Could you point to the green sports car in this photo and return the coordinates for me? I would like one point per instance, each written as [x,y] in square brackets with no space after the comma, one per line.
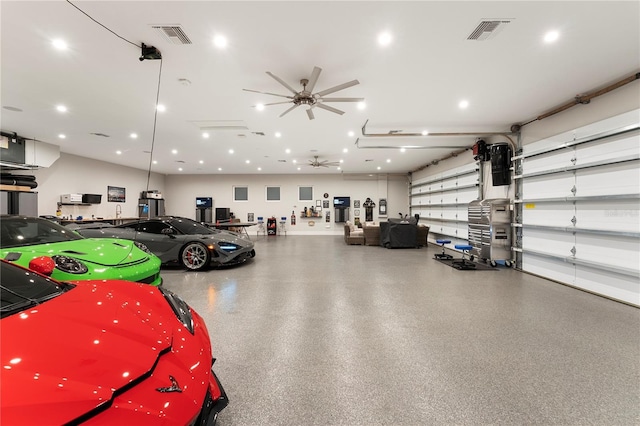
[77,258]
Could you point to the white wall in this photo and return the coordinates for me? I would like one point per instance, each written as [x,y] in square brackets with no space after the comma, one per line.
[73,174]
[182,190]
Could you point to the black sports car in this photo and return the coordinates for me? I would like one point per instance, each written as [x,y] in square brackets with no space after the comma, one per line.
[178,239]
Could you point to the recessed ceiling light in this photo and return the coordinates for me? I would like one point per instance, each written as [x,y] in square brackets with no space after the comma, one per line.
[403,149]
[201,162]
[288,151]
[341,161]
[338,168]
[388,160]
[119,152]
[59,44]
[220,41]
[155,161]
[295,161]
[425,132]
[463,104]
[299,168]
[174,151]
[351,134]
[345,150]
[62,136]
[161,108]
[259,168]
[219,169]
[179,169]
[205,135]
[231,151]
[260,107]
[361,105]
[551,36]
[61,108]
[384,39]
[379,167]
[133,136]
[278,134]
[247,161]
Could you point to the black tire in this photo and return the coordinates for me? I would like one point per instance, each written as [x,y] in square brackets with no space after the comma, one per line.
[252,254]
[195,256]
[508,263]
[493,263]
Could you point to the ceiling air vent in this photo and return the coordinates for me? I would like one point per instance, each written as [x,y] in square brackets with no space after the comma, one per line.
[488,28]
[172,33]
[102,135]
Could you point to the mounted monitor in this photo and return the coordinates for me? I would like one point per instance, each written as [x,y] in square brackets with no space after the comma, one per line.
[204,202]
[341,202]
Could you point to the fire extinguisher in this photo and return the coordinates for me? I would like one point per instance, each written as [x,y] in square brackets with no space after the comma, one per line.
[293,217]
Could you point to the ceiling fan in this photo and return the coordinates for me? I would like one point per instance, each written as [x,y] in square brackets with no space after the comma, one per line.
[316,164]
[306,95]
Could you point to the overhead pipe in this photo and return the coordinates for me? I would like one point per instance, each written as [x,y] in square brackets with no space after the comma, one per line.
[579,100]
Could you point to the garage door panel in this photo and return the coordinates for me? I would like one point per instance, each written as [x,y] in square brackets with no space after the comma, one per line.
[548,242]
[620,287]
[549,268]
[615,215]
[548,214]
[550,161]
[549,186]
[610,250]
[624,145]
[609,180]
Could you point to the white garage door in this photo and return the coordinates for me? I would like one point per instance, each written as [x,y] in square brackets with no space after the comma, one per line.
[580,208]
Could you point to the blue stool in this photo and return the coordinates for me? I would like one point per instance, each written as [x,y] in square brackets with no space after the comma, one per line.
[443,255]
[463,263]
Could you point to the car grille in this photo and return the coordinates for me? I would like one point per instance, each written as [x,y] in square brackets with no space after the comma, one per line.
[150,279]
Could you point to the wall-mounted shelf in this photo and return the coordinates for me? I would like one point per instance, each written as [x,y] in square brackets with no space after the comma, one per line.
[74,204]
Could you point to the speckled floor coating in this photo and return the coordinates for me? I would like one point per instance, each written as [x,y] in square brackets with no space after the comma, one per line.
[315,332]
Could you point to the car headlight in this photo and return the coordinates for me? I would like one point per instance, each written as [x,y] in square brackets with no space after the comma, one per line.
[228,247]
[142,247]
[180,308]
[69,265]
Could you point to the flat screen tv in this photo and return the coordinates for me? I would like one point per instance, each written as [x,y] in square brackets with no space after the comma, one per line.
[204,202]
[341,201]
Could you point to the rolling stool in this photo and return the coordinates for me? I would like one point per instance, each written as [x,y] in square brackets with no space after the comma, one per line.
[283,227]
[261,226]
[443,255]
[463,263]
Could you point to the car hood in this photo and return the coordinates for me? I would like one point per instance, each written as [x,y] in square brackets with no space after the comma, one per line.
[70,354]
[98,251]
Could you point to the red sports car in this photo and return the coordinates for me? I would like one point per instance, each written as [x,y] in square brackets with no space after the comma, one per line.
[101,352]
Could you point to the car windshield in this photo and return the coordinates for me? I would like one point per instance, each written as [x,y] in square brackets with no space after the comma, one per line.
[21,289]
[188,226]
[23,231]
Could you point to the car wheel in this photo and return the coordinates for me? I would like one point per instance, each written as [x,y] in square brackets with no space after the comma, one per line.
[195,256]
[252,254]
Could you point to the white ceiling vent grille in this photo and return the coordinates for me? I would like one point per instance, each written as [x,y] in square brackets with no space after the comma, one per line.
[172,33]
[488,28]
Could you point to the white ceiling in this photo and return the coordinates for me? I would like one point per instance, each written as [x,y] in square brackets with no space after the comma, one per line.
[413,84]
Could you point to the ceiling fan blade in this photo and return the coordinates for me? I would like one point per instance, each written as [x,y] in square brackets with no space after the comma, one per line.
[310,114]
[337,88]
[276,103]
[341,99]
[290,109]
[267,93]
[314,78]
[281,81]
[328,108]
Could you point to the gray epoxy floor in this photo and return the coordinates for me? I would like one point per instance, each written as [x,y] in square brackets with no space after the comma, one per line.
[313,331]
